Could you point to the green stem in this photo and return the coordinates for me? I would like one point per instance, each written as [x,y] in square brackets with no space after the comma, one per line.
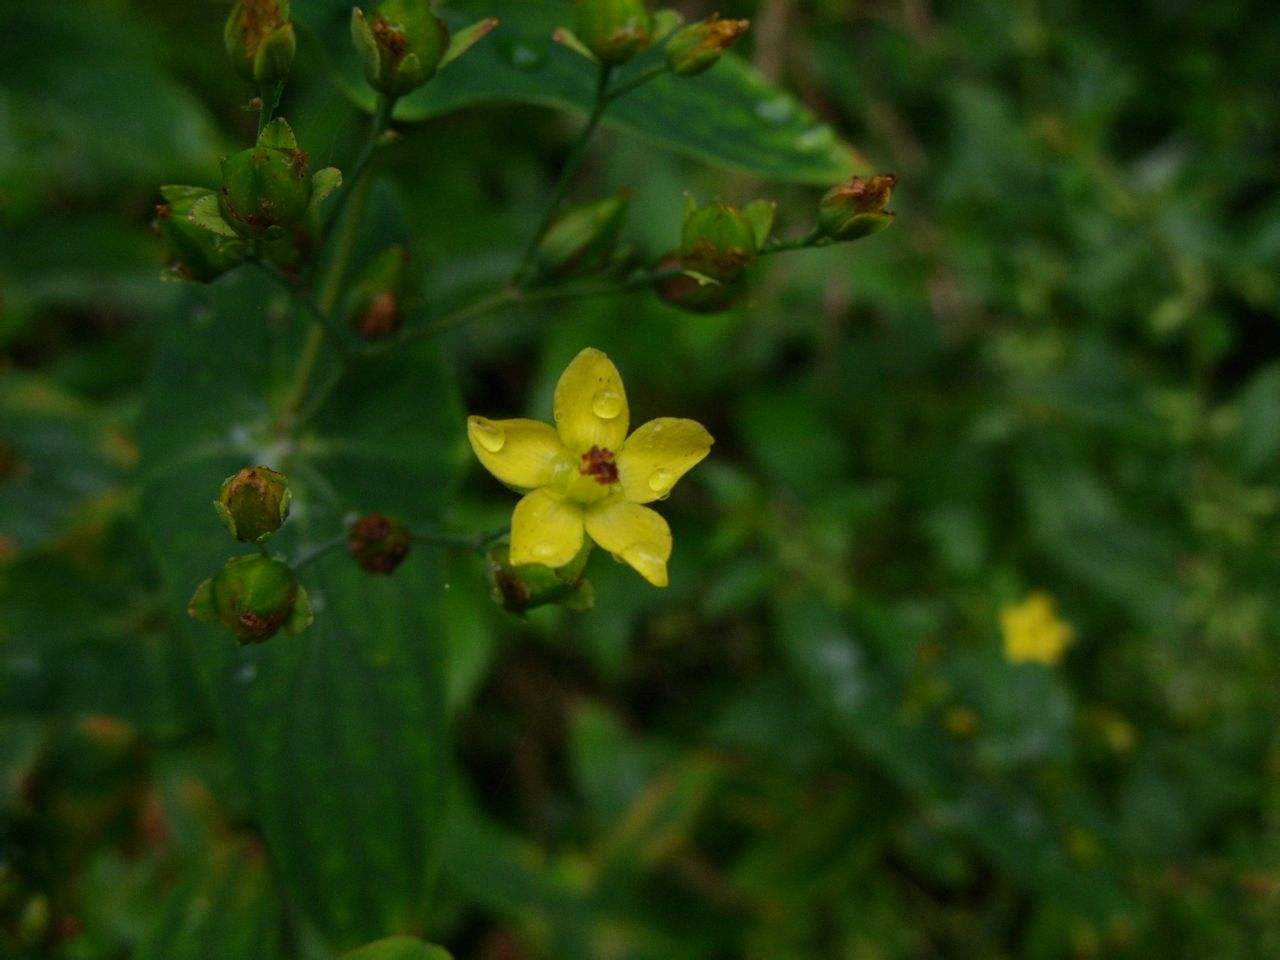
[269,102]
[812,239]
[577,153]
[344,245]
[381,123]
[511,295]
[318,551]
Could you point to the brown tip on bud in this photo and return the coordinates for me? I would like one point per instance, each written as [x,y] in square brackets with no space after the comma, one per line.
[869,195]
[163,211]
[381,318]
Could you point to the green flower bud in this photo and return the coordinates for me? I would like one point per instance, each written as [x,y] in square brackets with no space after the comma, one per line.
[717,240]
[201,246]
[375,304]
[696,48]
[696,292]
[531,585]
[260,40]
[401,44]
[856,209]
[583,239]
[266,186]
[255,597]
[379,544]
[254,503]
[614,30]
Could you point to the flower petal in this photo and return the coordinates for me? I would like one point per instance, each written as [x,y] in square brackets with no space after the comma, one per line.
[520,453]
[634,533]
[591,404]
[545,529]
[658,454]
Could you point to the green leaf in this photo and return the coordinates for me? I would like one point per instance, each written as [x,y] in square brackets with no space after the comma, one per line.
[338,733]
[731,116]
[55,455]
[399,948]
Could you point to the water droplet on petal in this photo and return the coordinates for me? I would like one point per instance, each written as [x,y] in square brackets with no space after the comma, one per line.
[606,404]
[491,436]
[544,550]
[660,480]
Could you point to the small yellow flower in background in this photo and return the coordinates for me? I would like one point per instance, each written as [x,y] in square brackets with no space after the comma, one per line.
[585,476]
[1033,632]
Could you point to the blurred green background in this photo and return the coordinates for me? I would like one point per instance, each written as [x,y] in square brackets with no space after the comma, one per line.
[1056,372]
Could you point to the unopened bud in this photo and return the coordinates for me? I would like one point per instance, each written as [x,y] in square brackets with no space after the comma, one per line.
[856,209]
[260,40]
[201,246]
[717,240]
[266,186]
[255,597]
[695,292]
[254,503]
[696,48]
[378,543]
[531,585]
[401,44]
[375,305]
[582,240]
[614,30]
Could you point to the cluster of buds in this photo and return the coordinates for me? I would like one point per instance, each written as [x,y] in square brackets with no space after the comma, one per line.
[254,596]
[268,205]
[268,202]
[613,32]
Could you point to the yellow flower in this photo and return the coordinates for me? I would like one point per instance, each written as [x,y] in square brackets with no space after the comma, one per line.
[1033,633]
[585,476]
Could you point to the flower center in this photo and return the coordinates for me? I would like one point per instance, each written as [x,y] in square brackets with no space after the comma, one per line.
[598,462]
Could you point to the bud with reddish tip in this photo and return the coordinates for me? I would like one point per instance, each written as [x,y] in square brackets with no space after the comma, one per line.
[260,40]
[375,305]
[613,30]
[254,503]
[378,543]
[255,597]
[697,47]
[531,585]
[401,44]
[856,209]
[266,186]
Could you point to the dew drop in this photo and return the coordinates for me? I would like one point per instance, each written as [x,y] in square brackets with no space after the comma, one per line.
[491,436]
[816,138]
[606,404]
[660,480]
[544,550]
[776,110]
[522,56]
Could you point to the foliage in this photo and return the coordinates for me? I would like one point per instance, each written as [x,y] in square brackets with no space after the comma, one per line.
[1054,376]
